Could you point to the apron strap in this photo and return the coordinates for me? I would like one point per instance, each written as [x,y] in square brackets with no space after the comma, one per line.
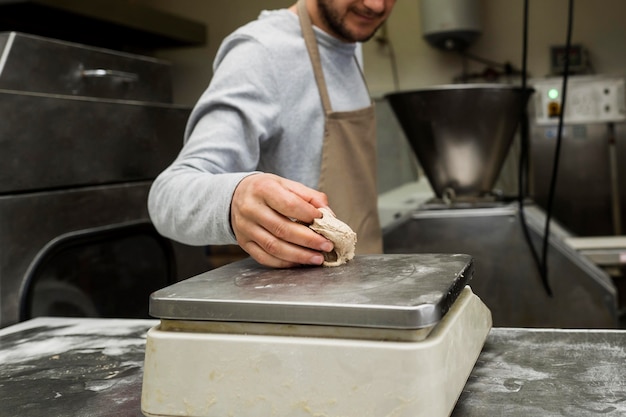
[348,154]
[311,46]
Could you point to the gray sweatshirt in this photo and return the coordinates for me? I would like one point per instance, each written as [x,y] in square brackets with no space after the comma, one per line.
[261,113]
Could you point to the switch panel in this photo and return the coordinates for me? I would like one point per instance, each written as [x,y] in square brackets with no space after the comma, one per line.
[590,99]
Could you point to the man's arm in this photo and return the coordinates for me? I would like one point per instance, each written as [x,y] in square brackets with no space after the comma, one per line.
[209,187]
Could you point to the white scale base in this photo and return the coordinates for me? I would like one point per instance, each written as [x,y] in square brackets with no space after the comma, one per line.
[193,373]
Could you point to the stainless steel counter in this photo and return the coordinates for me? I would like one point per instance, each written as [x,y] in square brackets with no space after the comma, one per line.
[523,372]
[93,367]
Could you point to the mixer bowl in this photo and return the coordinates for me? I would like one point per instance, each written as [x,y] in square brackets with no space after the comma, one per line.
[461,134]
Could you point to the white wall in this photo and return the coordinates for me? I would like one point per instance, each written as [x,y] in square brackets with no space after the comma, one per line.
[600,25]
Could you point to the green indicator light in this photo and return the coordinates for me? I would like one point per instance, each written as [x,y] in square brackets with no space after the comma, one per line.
[553,93]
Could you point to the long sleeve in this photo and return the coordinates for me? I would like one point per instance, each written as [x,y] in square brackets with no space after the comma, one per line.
[190,200]
[261,113]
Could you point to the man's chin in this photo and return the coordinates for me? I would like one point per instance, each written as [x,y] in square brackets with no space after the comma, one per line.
[355,33]
[363,33]
[366,38]
[362,36]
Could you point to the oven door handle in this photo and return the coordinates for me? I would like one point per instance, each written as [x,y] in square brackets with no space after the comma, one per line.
[107,73]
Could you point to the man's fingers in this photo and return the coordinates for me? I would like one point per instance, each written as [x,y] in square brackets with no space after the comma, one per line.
[262,213]
[269,250]
[316,198]
[296,201]
[264,258]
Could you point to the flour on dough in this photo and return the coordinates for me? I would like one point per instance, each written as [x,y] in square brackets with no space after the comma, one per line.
[342,236]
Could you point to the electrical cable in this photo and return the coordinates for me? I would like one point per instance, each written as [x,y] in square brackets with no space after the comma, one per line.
[384,41]
[482,60]
[523,168]
[494,69]
[559,140]
[505,66]
[394,66]
[524,152]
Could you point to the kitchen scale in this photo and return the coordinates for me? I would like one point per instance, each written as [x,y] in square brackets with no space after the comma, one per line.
[383,335]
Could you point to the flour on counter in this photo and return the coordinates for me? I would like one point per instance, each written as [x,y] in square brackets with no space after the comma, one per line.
[47,337]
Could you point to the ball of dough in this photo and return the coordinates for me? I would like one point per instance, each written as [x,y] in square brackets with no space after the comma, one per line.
[342,236]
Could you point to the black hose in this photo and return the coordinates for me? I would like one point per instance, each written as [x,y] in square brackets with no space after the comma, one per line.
[524,158]
[559,140]
[542,262]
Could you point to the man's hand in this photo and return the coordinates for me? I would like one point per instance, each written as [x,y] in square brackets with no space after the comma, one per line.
[262,213]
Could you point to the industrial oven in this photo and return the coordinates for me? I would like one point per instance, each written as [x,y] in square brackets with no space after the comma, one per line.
[83,133]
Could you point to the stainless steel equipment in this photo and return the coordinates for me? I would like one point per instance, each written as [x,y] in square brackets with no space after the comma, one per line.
[507,276]
[461,135]
[379,292]
[114,24]
[450,24]
[84,131]
[520,372]
[381,335]
[590,199]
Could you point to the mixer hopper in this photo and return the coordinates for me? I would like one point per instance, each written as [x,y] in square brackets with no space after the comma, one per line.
[461,134]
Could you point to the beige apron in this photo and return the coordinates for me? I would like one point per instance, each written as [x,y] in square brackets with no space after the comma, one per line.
[348,170]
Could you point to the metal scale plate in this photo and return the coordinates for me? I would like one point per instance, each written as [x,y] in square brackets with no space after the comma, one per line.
[374,291]
[382,335]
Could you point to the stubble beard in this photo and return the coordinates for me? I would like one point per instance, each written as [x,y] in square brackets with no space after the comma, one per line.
[336,23]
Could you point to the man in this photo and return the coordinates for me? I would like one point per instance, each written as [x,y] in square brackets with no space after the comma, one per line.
[285,127]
